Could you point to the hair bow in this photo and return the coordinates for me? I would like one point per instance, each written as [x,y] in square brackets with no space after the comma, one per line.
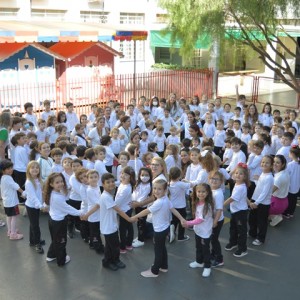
[203,153]
[244,166]
[295,146]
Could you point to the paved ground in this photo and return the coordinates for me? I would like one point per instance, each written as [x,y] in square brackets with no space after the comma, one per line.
[268,272]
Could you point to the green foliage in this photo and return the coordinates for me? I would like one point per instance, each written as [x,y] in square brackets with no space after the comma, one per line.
[173,67]
[253,23]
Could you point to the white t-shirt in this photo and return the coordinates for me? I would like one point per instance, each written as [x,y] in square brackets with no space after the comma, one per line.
[209,130]
[285,151]
[177,190]
[124,197]
[203,229]
[218,197]
[263,190]
[109,156]
[34,197]
[254,166]
[160,141]
[282,181]
[237,157]
[21,159]
[293,169]
[108,216]
[219,138]
[160,210]
[93,197]
[170,162]
[75,188]
[239,195]
[72,120]
[9,191]
[95,137]
[41,135]
[46,114]
[141,192]
[100,168]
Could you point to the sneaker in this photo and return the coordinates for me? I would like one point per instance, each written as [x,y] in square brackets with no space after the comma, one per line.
[77,230]
[185,238]
[137,244]
[110,266]
[215,263]
[136,239]
[42,243]
[16,236]
[230,247]
[100,250]
[163,270]
[276,220]
[120,265]
[286,216]
[172,234]
[206,272]
[2,223]
[39,249]
[68,259]
[240,253]
[49,259]
[257,242]
[194,265]
[148,273]
[123,251]
[129,248]
[70,235]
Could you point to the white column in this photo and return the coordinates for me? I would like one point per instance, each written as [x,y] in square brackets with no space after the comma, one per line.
[214,63]
[272,53]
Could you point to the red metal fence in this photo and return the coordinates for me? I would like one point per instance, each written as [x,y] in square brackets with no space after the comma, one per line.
[85,91]
[259,90]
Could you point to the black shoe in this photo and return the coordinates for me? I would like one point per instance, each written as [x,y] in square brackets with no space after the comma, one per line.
[42,242]
[110,266]
[86,240]
[120,265]
[39,249]
[230,247]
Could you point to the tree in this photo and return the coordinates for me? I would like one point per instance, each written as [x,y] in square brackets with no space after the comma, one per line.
[253,23]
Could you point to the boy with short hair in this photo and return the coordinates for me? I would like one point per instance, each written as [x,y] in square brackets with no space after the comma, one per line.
[92,117]
[47,112]
[160,140]
[72,118]
[71,150]
[29,115]
[41,133]
[109,155]
[246,137]
[56,154]
[90,157]
[99,166]
[237,128]
[238,155]
[286,141]
[109,223]
[173,138]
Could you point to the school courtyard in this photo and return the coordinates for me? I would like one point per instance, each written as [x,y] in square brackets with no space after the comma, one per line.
[270,271]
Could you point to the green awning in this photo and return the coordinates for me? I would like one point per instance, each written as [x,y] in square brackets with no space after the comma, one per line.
[159,39]
[292,34]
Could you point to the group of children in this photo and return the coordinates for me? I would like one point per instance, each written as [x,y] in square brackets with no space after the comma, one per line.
[86,170]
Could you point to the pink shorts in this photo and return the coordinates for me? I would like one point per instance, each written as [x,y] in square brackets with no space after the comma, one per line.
[278,205]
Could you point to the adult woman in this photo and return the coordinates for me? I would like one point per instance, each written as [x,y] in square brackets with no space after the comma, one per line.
[191,121]
[279,200]
[185,160]
[251,114]
[125,130]
[194,131]
[96,133]
[5,121]
[173,106]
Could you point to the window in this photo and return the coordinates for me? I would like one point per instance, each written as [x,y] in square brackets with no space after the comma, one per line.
[8,12]
[52,14]
[161,18]
[197,58]
[132,18]
[94,16]
[127,48]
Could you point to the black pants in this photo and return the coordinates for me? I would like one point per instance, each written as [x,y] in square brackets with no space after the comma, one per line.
[112,248]
[85,230]
[20,179]
[292,204]
[141,224]
[202,251]
[109,169]
[219,151]
[238,229]
[231,183]
[57,249]
[95,236]
[258,222]
[160,251]
[126,231]
[73,221]
[216,252]
[176,222]
[34,227]
[251,189]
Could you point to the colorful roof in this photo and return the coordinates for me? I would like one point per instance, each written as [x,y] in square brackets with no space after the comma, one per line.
[70,50]
[9,49]
[47,31]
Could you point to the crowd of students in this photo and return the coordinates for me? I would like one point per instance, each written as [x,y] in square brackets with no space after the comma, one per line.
[167,160]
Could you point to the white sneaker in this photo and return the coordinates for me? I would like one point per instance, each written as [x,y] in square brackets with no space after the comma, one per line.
[257,242]
[172,233]
[137,243]
[276,220]
[206,272]
[194,265]
[136,239]
[49,259]
[68,259]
